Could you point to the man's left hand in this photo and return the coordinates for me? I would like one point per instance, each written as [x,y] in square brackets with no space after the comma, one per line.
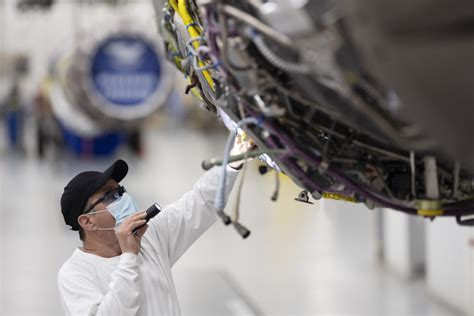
[241,145]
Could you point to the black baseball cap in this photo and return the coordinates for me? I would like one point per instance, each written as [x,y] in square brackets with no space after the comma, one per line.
[83,186]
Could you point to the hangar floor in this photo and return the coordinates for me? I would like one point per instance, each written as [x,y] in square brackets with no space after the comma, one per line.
[300,259]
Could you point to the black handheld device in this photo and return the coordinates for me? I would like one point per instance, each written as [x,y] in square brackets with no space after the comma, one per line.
[151,212]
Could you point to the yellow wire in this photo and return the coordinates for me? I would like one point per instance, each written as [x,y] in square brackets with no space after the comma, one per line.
[174,5]
[196,93]
[193,32]
[338,196]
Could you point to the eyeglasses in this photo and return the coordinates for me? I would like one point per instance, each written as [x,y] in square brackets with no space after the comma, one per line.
[108,197]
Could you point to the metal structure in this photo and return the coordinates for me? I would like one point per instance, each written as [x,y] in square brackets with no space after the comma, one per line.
[294,76]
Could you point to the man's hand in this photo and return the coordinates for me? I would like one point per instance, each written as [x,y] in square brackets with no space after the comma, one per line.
[128,241]
[241,145]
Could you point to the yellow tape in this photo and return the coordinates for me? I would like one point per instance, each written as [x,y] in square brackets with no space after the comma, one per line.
[338,196]
[173,5]
[429,208]
[430,213]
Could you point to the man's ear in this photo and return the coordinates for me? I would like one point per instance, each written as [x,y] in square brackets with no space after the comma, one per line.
[86,222]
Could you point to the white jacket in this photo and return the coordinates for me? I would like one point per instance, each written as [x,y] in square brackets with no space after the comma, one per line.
[143,284]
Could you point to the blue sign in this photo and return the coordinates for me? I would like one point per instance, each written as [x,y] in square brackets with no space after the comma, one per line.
[125,70]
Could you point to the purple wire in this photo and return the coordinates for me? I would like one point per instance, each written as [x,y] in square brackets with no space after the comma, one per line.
[335,174]
[459,208]
[376,198]
[295,151]
[305,180]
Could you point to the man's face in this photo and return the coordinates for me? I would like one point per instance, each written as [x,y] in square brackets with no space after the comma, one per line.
[102,219]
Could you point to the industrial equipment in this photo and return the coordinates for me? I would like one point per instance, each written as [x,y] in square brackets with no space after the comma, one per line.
[293,76]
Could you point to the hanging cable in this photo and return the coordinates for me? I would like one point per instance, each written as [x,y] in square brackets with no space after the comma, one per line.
[236,212]
[243,231]
[219,202]
[276,60]
[277,186]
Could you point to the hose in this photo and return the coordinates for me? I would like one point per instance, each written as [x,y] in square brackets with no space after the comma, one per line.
[239,193]
[219,202]
[276,60]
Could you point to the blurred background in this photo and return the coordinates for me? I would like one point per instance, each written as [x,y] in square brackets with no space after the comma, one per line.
[83,83]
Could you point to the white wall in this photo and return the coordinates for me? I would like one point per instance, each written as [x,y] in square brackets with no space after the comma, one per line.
[446,248]
[396,250]
[352,226]
[450,263]
[404,245]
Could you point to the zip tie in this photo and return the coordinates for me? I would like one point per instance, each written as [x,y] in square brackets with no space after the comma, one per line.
[193,24]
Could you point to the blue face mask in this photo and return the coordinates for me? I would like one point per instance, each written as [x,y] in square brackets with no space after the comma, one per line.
[122,208]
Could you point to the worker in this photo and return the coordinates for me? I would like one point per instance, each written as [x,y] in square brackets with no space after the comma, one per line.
[117,272]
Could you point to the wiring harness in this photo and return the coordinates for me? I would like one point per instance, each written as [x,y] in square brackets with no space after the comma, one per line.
[310,107]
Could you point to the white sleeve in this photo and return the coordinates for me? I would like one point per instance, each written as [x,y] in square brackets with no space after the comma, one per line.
[182,222]
[81,296]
